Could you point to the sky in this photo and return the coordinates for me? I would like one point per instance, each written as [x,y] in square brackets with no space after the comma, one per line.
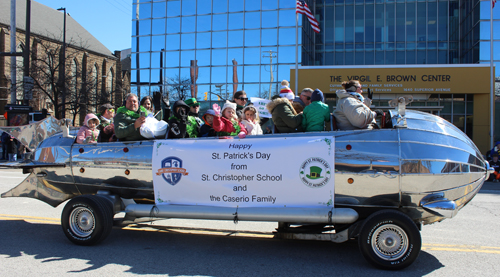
[109,21]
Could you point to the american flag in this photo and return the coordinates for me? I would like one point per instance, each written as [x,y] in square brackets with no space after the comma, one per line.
[304,9]
[493,3]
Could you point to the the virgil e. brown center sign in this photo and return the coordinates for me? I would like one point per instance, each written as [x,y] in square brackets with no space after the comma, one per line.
[447,79]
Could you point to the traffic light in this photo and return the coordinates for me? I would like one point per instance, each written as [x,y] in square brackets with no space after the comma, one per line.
[206,96]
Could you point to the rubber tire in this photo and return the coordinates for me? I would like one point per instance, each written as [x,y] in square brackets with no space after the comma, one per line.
[391,220]
[97,209]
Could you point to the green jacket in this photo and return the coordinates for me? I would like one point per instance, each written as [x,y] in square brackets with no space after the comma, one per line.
[124,125]
[284,116]
[314,117]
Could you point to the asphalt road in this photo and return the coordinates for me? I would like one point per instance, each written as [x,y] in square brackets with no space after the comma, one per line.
[32,243]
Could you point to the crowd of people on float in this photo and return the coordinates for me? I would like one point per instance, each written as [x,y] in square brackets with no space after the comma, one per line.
[306,112]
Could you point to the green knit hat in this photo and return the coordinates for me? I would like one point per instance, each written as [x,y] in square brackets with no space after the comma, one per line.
[191,102]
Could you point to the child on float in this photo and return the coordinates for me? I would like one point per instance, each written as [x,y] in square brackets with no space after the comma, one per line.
[228,124]
[88,133]
[207,129]
[315,114]
[250,119]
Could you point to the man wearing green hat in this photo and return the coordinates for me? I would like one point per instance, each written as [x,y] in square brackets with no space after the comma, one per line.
[194,109]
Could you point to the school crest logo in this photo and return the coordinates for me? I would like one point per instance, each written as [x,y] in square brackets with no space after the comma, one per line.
[171,170]
[315,172]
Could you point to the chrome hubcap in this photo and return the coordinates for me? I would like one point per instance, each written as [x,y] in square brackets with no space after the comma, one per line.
[389,242]
[81,222]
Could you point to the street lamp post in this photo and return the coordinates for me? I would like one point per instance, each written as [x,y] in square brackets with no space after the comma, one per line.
[62,68]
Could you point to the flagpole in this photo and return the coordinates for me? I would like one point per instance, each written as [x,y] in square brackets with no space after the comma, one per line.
[492,81]
[296,53]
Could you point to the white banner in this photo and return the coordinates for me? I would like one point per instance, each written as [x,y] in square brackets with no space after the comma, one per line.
[260,105]
[251,172]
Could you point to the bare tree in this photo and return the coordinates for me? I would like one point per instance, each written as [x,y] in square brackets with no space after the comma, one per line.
[178,88]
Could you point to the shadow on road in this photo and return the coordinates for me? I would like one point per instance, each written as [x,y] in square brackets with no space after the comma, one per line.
[150,252]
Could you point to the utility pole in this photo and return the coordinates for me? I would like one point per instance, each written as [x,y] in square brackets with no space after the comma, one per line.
[272,54]
[13,49]
[28,82]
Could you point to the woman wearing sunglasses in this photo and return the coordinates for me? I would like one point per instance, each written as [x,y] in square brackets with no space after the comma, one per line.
[106,126]
[241,100]
[353,110]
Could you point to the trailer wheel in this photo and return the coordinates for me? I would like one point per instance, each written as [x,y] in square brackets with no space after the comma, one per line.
[390,240]
[87,220]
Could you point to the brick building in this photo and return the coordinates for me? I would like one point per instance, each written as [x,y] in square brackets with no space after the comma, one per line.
[93,73]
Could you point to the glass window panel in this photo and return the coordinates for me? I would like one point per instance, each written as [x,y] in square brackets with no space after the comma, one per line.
[432,21]
[187,41]
[134,44]
[380,29]
[369,24]
[219,57]
[270,36]
[329,25]
[235,54]
[203,57]
[390,57]
[432,57]
[159,9]
[204,23]
[379,57]
[252,89]
[220,6]
[236,6]
[287,18]
[284,72]
[219,22]
[370,58]
[252,20]
[173,25]
[144,44]
[421,22]
[253,5]
[252,55]
[359,58]
[204,6]
[219,74]
[173,8]
[400,57]
[349,24]
[158,43]
[173,42]
[219,39]
[287,4]
[339,24]
[172,59]
[203,40]
[421,57]
[188,7]
[235,38]
[203,75]
[144,10]
[188,24]
[269,19]
[410,22]
[265,88]
[185,73]
[390,22]
[349,58]
[287,36]
[339,58]
[144,27]
[144,60]
[442,21]
[251,74]
[410,57]
[359,26]
[252,37]
[155,78]
[158,26]
[170,74]
[269,5]
[186,57]
[235,20]
[286,54]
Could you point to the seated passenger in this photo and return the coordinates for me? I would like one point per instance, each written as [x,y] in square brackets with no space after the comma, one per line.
[250,119]
[207,130]
[228,124]
[106,127]
[129,119]
[316,114]
[180,124]
[353,110]
[88,133]
[194,109]
[284,116]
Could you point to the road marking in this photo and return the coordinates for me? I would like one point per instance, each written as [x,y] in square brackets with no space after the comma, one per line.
[233,233]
